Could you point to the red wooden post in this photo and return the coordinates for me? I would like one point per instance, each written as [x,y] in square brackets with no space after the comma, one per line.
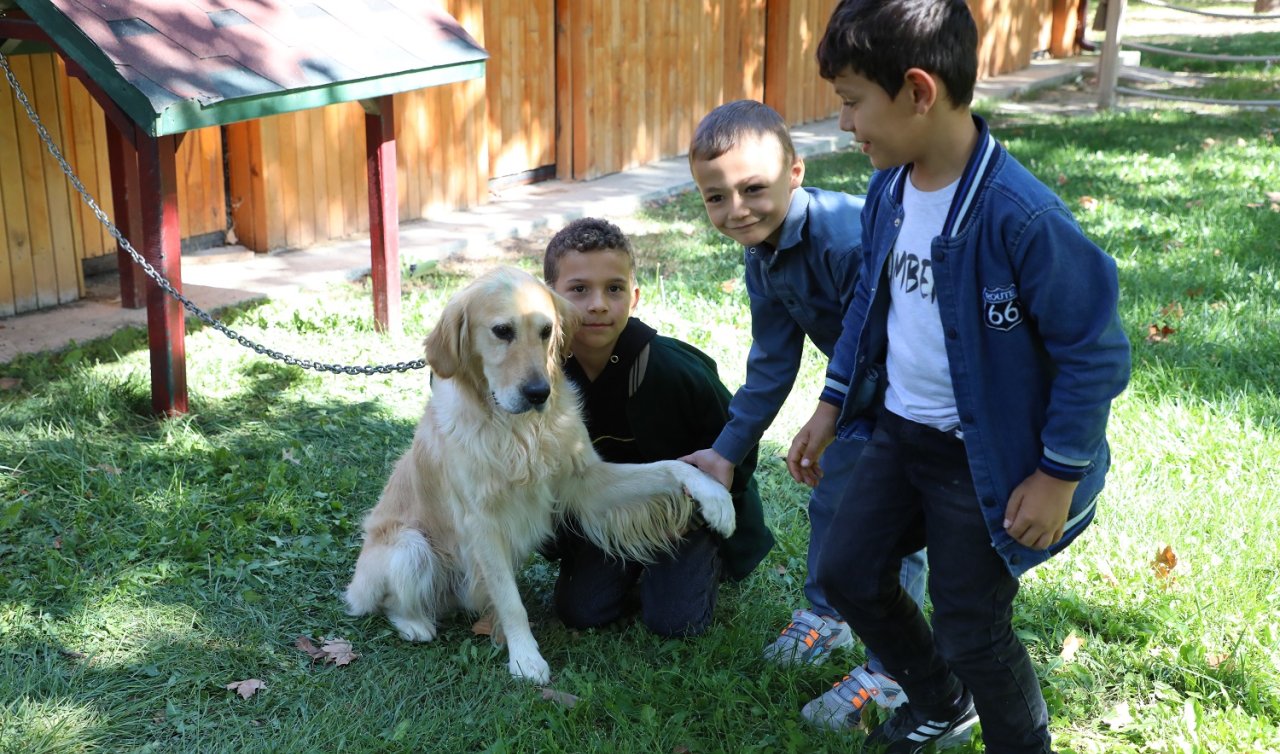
[161,247]
[384,209]
[127,214]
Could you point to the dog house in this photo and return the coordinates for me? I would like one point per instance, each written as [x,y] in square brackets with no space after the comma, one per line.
[161,70]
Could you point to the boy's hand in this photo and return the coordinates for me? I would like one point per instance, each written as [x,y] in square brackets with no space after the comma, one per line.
[714,464]
[810,441]
[1037,510]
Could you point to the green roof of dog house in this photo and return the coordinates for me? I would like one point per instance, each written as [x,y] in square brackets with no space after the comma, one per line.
[178,65]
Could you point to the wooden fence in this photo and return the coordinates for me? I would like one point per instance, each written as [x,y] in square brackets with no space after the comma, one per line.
[574,88]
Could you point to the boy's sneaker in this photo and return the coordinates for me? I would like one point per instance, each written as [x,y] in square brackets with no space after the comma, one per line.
[908,732]
[808,639]
[840,708]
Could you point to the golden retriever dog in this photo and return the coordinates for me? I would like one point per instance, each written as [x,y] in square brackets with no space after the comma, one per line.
[500,457]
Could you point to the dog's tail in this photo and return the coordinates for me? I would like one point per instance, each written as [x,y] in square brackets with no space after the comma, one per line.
[396,579]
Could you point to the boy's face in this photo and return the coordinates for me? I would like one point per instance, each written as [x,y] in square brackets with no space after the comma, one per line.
[600,284]
[747,190]
[883,127]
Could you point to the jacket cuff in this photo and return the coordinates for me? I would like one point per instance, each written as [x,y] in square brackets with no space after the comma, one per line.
[1067,472]
[731,449]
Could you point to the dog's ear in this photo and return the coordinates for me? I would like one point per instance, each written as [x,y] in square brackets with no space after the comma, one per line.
[445,342]
[568,320]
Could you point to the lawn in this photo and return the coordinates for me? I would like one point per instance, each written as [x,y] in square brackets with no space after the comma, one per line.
[146,564]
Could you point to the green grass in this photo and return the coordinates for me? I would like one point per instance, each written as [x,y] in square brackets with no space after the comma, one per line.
[1219,80]
[145,564]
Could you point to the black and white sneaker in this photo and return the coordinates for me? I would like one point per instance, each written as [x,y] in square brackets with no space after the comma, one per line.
[908,732]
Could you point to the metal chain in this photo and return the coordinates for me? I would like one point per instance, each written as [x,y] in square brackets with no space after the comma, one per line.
[164,284]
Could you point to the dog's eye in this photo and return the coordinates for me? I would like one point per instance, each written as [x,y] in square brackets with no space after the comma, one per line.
[546,332]
[504,332]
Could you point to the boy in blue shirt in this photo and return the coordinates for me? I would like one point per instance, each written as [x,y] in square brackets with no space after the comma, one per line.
[645,397]
[995,320]
[800,248]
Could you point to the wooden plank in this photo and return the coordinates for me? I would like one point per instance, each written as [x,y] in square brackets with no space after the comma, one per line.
[68,146]
[384,227]
[318,141]
[265,140]
[17,287]
[157,162]
[126,211]
[215,215]
[352,175]
[42,275]
[306,178]
[63,258]
[186,187]
[287,180]
[565,84]
[402,154]
[333,173]
[240,185]
[107,242]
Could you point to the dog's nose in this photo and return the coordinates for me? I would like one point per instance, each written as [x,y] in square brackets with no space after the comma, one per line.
[536,392]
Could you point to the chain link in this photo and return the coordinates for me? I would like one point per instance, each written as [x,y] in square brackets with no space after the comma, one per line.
[164,284]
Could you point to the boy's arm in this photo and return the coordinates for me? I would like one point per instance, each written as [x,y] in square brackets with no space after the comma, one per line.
[819,431]
[772,365]
[1071,291]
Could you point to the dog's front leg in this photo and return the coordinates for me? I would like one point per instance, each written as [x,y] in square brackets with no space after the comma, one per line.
[524,659]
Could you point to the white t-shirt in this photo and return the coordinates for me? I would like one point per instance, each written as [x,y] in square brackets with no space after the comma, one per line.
[919,377]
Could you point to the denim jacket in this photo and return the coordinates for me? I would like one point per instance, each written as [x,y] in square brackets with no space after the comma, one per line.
[1033,338]
[802,287]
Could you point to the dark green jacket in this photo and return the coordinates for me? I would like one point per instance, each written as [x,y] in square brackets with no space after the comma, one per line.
[679,406]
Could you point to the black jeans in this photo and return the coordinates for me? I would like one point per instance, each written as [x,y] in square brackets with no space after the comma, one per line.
[912,489]
[676,593]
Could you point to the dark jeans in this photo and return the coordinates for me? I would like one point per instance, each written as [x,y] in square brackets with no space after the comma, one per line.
[677,593]
[913,489]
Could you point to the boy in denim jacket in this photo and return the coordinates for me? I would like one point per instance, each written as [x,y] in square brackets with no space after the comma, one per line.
[996,322]
[800,248]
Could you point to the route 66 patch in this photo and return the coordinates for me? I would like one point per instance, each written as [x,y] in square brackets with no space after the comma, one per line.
[1002,309]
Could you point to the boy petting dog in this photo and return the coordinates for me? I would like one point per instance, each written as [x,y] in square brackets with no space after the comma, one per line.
[645,397]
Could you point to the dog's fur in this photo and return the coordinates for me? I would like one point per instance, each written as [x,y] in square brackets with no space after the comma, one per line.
[500,457]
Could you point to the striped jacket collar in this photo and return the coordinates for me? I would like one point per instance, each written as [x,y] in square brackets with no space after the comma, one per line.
[980,167]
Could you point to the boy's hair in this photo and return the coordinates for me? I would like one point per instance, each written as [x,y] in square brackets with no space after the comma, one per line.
[584,234]
[881,39]
[726,126]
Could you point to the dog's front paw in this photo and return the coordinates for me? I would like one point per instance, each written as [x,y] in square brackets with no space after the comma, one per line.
[714,502]
[530,666]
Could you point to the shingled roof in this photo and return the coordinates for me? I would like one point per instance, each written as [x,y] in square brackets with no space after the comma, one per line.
[177,65]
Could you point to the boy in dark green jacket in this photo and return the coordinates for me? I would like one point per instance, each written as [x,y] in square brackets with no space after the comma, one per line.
[646,398]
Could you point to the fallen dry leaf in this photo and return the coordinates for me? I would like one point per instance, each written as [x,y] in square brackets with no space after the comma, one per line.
[1062,179]
[1069,647]
[1208,143]
[780,569]
[1158,333]
[246,688]
[483,626]
[1166,560]
[339,652]
[10,383]
[487,626]
[1220,658]
[304,643]
[729,286]
[108,469]
[57,543]
[1196,292]
[1172,310]
[1088,203]
[563,698]
[1273,196]
[335,650]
